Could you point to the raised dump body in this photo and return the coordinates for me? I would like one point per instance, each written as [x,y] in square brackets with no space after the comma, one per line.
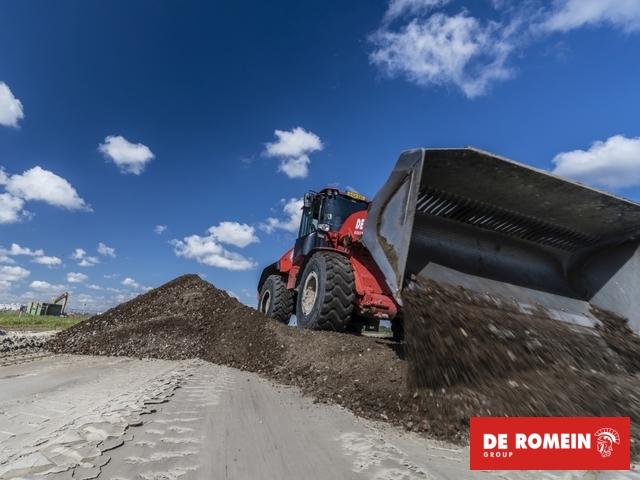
[509,231]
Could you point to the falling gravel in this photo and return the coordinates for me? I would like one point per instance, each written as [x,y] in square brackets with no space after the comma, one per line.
[493,360]
[464,357]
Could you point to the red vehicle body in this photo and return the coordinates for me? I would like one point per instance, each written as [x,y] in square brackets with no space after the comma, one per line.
[328,279]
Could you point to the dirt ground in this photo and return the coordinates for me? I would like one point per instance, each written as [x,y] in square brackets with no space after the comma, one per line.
[463,357]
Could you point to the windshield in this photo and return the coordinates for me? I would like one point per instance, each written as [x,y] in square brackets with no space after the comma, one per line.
[338,209]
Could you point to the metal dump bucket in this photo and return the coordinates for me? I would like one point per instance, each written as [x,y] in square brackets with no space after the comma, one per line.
[515,233]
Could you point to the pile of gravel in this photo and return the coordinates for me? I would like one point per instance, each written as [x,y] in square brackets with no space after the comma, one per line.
[12,341]
[185,318]
[462,358]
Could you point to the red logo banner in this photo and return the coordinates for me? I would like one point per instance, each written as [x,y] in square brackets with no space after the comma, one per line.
[550,443]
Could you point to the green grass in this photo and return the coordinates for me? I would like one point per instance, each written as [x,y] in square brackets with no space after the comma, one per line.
[381,333]
[13,321]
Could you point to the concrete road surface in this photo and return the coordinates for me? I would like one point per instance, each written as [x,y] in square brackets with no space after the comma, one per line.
[77,417]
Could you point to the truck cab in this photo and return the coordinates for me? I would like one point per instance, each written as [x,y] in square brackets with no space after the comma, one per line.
[323,212]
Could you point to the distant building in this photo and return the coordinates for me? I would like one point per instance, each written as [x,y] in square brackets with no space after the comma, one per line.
[10,307]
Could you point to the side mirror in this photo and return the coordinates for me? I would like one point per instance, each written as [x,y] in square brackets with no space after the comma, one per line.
[324,227]
[308,199]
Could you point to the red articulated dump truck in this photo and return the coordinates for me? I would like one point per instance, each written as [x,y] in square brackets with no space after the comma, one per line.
[464,217]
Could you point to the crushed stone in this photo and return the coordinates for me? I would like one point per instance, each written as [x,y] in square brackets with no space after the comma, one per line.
[464,357]
[23,341]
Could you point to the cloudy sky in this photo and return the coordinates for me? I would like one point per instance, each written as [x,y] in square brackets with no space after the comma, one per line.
[143,140]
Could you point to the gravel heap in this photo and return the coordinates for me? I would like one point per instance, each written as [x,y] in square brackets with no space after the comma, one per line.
[185,318]
[12,341]
[468,359]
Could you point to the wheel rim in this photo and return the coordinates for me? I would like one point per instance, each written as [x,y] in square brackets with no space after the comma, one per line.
[309,293]
[265,303]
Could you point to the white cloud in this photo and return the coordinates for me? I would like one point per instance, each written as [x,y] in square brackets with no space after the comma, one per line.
[78,253]
[10,107]
[160,228]
[571,14]
[48,261]
[123,298]
[106,251]
[130,282]
[39,184]
[47,287]
[295,167]
[129,157]
[113,275]
[614,163]
[76,277]
[208,251]
[18,250]
[88,262]
[444,50]
[291,222]
[294,143]
[293,149]
[436,48]
[234,233]
[94,287]
[38,255]
[10,208]
[398,8]
[35,184]
[13,274]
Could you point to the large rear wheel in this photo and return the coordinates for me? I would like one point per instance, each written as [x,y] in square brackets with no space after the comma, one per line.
[326,293]
[275,300]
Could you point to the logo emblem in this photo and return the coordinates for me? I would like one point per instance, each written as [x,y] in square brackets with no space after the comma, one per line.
[606,437]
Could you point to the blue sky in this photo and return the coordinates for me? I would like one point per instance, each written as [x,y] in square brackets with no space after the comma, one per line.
[142,140]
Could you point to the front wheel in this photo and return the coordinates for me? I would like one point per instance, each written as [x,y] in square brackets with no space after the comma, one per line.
[326,293]
[275,300]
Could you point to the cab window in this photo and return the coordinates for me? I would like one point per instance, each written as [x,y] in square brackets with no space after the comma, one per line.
[310,218]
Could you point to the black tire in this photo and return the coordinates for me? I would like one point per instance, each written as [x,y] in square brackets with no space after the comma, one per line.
[326,293]
[397,328]
[275,300]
